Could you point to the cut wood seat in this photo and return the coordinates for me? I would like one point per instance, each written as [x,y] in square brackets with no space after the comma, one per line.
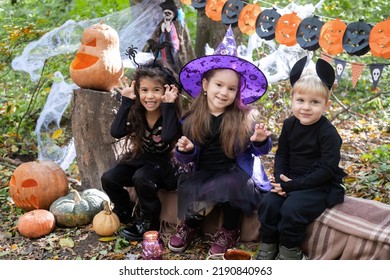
[356,229]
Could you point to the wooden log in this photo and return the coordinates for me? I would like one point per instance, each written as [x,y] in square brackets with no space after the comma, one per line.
[96,150]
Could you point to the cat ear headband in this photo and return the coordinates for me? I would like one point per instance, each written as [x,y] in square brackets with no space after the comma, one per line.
[324,71]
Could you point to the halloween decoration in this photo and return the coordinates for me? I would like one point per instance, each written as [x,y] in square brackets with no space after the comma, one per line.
[376,72]
[230,12]
[187,2]
[356,38]
[106,222]
[331,36]
[286,29]
[98,64]
[77,209]
[379,40]
[253,81]
[198,4]
[308,33]
[170,40]
[36,184]
[214,9]
[324,71]
[266,24]
[36,223]
[247,18]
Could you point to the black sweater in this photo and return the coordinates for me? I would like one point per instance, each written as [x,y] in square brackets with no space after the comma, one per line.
[309,155]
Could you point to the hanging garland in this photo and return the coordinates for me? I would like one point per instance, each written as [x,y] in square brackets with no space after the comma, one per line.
[356,38]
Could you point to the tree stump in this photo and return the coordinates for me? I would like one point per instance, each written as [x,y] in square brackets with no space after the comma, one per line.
[96,150]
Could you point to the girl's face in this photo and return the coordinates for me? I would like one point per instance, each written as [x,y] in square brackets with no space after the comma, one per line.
[309,107]
[150,93]
[221,90]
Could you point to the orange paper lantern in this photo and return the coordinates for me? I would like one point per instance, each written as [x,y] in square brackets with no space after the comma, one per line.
[214,9]
[331,36]
[286,29]
[380,39]
[247,18]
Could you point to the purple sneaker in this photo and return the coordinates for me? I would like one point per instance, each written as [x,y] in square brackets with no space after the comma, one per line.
[224,239]
[182,238]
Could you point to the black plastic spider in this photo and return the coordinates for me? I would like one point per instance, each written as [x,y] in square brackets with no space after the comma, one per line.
[131,52]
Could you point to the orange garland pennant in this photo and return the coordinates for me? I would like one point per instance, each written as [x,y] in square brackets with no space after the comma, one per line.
[379,40]
[286,29]
[214,8]
[357,70]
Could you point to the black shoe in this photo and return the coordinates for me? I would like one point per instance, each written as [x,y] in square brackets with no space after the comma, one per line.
[136,231]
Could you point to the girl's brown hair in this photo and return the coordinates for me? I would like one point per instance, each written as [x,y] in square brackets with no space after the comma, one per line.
[236,126]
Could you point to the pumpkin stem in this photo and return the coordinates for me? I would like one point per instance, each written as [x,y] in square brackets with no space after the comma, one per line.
[76,196]
[107,207]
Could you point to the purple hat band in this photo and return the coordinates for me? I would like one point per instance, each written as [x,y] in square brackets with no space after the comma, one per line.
[253,81]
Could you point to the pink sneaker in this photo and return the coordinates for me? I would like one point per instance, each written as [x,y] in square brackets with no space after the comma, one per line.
[182,238]
[223,240]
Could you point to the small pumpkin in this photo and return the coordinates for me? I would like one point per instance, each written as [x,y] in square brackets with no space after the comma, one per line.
[78,209]
[106,222]
[98,64]
[36,223]
[36,184]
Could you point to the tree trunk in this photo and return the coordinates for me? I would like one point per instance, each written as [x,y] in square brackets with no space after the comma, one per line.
[211,32]
[96,150]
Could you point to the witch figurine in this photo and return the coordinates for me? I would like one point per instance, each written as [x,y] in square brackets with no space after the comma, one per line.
[174,31]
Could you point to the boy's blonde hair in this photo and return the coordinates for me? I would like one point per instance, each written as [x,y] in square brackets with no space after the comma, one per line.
[311,83]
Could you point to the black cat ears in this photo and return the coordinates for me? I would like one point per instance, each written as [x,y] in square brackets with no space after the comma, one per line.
[324,71]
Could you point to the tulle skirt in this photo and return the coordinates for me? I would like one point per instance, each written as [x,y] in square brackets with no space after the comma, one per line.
[201,190]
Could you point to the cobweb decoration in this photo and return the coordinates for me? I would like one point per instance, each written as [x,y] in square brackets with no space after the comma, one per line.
[134,26]
[48,124]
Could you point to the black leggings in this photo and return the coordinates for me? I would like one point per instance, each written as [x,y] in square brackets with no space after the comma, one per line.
[146,179]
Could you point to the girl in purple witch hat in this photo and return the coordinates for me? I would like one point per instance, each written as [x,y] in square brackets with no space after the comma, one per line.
[223,141]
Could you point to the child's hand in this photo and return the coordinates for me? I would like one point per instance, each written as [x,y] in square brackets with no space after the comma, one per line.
[126,89]
[261,133]
[171,93]
[277,188]
[184,144]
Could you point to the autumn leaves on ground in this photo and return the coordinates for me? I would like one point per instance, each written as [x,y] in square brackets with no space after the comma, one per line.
[368,177]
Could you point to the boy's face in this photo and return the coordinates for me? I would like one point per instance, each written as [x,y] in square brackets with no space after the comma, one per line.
[309,107]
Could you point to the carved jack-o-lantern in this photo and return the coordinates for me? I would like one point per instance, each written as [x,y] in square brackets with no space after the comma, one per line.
[356,38]
[98,64]
[331,36]
[266,23]
[308,33]
[37,184]
[230,12]
[247,18]
[214,9]
[380,39]
[198,4]
[286,29]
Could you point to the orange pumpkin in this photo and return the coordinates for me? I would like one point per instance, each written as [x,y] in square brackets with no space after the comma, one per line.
[37,184]
[286,29]
[98,64]
[380,39]
[331,36]
[214,8]
[247,18]
[36,223]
